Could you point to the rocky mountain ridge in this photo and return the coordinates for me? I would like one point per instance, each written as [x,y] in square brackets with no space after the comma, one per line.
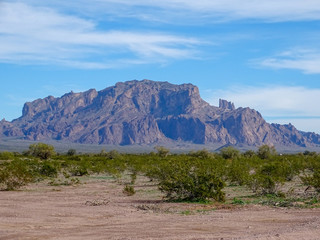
[148,112]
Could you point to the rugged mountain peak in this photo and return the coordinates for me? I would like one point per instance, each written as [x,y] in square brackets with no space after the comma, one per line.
[66,104]
[157,98]
[224,104]
[146,112]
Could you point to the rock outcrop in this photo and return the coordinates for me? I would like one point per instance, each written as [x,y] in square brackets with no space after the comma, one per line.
[226,105]
[146,112]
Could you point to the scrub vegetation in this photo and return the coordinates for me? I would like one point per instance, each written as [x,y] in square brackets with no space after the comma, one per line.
[229,177]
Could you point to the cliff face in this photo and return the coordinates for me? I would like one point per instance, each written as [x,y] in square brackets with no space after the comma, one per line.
[144,112]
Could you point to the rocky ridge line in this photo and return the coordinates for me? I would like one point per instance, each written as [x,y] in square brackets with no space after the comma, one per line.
[148,112]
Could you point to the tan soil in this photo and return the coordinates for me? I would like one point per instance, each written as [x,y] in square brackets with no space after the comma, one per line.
[99,210]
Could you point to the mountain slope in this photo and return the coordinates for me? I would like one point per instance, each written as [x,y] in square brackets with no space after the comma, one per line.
[144,112]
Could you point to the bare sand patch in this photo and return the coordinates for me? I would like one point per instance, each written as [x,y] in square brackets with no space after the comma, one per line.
[99,210]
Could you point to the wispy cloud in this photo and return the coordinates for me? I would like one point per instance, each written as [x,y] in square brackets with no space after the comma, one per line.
[225,10]
[273,101]
[305,60]
[64,33]
[30,34]
[281,104]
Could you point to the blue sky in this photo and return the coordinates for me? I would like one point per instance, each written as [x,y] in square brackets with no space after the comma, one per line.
[264,54]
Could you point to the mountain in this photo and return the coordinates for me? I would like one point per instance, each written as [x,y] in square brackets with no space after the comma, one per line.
[147,112]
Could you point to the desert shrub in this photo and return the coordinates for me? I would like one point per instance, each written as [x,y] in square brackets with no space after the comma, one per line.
[238,171]
[14,175]
[73,158]
[113,154]
[312,162]
[6,156]
[308,153]
[116,167]
[266,151]
[133,177]
[79,168]
[41,150]
[103,164]
[76,165]
[103,153]
[312,179]
[267,179]
[47,169]
[290,166]
[249,154]
[129,190]
[229,152]
[162,151]
[237,201]
[71,152]
[203,154]
[267,184]
[189,180]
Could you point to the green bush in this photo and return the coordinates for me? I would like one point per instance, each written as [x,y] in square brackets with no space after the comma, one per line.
[267,179]
[133,177]
[189,180]
[15,175]
[41,150]
[312,180]
[162,151]
[238,171]
[78,169]
[113,154]
[48,170]
[249,154]
[196,176]
[203,154]
[129,190]
[266,151]
[71,152]
[6,156]
[229,152]
[237,201]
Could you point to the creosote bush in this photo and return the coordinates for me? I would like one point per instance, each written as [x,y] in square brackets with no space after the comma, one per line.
[312,180]
[15,175]
[267,179]
[266,152]
[189,180]
[202,154]
[162,151]
[41,150]
[47,169]
[229,152]
[129,190]
[6,156]
[72,152]
[238,171]
[196,176]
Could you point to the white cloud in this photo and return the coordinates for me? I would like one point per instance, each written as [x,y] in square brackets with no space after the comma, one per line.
[267,10]
[274,100]
[281,104]
[31,34]
[273,10]
[304,60]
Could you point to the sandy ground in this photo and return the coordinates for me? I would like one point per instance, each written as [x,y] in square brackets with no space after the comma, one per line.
[99,210]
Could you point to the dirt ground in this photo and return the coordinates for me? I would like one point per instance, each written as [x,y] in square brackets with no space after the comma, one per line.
[97,209]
